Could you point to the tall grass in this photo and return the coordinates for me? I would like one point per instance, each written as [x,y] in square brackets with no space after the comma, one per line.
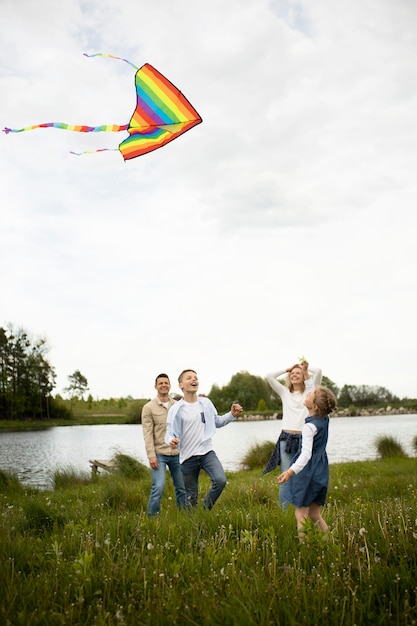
[88,554]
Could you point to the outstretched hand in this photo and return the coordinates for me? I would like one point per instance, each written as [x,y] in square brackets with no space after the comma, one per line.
[236,409]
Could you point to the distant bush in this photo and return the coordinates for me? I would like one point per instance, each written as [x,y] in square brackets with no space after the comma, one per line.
[261,405]
[134,411]
[58,409]
[389,447]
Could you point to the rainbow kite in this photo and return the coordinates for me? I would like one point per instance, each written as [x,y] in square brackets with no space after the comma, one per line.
[162,114]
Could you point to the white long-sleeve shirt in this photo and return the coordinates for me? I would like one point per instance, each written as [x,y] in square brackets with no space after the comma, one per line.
[308,433]
[293,410]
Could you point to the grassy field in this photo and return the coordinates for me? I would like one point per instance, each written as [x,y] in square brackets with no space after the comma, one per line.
[86,553]
[85,413]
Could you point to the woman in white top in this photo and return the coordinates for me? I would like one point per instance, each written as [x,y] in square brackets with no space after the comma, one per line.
[292,394]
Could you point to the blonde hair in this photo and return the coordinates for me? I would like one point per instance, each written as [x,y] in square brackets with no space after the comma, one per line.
[288,380]
[325,400]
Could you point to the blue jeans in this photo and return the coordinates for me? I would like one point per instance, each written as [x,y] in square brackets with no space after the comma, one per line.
[211,465]
[158,483]
[286,459]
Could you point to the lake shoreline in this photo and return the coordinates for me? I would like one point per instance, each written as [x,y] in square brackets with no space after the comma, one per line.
[35,454]
[120,419]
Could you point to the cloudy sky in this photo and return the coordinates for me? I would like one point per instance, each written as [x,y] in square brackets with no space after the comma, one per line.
[284,224]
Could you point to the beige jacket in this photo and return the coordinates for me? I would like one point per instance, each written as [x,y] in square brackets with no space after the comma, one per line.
[154,421]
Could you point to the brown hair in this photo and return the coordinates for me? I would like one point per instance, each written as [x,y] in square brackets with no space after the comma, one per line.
[161,376]
[325,400]
[185,372]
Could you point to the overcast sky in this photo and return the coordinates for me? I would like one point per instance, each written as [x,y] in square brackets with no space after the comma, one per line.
[283,225]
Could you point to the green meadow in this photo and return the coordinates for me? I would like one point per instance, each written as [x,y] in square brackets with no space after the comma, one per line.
[86,553]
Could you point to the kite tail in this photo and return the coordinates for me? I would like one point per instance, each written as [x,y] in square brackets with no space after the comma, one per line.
[109,128]
[110,56]
[95,151]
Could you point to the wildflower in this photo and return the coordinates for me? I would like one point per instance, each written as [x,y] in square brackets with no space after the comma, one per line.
[362,531]
[150,546]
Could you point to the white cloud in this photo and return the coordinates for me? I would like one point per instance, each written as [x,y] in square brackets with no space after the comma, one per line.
[284,224]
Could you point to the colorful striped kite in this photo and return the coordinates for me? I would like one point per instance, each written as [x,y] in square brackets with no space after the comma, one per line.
[162,114]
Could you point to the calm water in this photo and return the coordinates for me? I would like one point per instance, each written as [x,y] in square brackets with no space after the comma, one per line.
[34,455]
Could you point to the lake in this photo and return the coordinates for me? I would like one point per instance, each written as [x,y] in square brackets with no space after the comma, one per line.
[34,454]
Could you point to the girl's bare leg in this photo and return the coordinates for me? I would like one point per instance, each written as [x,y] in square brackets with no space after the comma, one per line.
[301,514]
[314,513]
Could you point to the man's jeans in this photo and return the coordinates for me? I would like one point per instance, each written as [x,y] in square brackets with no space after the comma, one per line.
[158,482]
[191,470]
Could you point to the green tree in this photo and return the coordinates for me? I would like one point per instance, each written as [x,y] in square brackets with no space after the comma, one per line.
[77,387]
[244,388]
[261,405]
[326,382]
[365,395]
[26,376]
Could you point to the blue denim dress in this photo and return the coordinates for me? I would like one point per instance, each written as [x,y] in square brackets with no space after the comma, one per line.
[311,484]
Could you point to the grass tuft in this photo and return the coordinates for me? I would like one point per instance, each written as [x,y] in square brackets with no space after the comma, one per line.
[129,467]
[258,455]
[68,477]
[9,482]
[388,447]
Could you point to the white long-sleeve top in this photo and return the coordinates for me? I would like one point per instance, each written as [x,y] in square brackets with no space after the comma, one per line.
[309,432]
[293,410]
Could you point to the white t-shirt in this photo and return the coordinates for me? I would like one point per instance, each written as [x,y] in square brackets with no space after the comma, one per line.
[192,443]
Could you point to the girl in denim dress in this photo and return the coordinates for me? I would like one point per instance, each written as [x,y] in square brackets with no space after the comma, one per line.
[308,475]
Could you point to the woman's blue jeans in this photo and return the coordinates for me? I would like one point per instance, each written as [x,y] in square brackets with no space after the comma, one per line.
[158,483]
[211,465]
[286,459]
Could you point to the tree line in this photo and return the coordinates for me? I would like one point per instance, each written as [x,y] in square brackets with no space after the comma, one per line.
[27,380]
[255,394]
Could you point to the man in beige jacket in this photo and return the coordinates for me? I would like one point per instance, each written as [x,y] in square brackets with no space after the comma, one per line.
[161,455]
